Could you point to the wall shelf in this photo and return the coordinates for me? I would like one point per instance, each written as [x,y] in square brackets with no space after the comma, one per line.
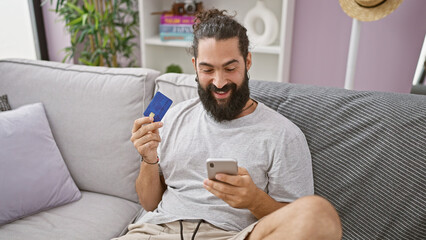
[271,63]
[255,49]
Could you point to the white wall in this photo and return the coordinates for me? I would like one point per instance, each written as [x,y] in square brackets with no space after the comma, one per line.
[16,34]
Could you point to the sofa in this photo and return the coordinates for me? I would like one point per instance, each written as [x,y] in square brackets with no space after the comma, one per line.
[368,149]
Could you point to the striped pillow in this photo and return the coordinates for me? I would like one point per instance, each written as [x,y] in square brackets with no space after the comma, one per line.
[368,154]
[4,103]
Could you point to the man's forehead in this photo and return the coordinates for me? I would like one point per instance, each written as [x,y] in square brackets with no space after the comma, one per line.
[218,52]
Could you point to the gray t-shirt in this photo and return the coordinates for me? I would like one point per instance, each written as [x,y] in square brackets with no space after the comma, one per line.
[268,145]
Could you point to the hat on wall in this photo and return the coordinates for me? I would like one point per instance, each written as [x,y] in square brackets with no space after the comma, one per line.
[369,10]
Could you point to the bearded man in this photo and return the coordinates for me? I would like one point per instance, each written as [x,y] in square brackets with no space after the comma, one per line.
[271,197]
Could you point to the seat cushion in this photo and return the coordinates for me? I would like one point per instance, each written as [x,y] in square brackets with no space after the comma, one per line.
[91,111]
[94,216]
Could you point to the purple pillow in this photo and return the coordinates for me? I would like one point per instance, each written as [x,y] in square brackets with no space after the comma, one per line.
[33,175]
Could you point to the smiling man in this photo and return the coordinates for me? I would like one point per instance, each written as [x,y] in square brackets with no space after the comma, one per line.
[223,88]
[271,197]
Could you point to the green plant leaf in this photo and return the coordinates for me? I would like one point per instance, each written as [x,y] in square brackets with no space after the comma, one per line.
[96,22]
[74,37]
[67,56]
[74,7]
[105,40]
[75,21]
[86,62]
[89,7]
[82,35]
[84,19]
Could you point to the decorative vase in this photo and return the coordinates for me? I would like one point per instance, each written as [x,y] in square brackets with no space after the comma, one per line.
[270,22]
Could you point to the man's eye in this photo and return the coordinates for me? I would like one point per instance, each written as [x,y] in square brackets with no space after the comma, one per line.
[229,69]
[207,70]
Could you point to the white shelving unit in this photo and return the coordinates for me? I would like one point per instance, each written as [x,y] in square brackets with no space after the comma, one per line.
[271,63]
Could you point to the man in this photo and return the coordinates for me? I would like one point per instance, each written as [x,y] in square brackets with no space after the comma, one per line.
[268,199]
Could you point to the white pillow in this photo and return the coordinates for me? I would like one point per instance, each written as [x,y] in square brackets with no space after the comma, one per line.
[33,175]
[177,86]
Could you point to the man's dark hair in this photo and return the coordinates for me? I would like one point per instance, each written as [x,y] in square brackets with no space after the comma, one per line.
[217,24]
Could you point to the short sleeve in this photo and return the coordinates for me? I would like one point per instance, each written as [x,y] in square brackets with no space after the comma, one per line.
[290,176]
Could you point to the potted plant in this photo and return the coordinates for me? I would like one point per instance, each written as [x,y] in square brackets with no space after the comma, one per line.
[104,29]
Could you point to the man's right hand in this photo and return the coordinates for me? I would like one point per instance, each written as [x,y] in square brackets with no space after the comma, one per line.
[146,138]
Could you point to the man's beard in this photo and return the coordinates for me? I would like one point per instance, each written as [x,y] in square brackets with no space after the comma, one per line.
[235,103]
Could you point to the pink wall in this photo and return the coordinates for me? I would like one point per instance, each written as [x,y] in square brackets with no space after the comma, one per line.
[56,36]
[388,49]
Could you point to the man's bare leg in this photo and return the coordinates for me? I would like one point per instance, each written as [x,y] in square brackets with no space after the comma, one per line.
[310,217]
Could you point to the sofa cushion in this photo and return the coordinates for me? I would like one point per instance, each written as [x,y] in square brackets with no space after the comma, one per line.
[33,174]
[94,216]
[91,111]
[368,154]
[178,87]
[4,103]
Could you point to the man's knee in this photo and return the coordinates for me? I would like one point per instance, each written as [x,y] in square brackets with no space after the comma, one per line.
[319,214]
[312,214]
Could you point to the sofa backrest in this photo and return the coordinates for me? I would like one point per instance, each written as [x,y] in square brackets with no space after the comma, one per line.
[91,111]
[368,151]
[368,154]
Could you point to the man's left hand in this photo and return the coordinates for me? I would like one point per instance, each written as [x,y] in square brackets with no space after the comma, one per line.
[239,191]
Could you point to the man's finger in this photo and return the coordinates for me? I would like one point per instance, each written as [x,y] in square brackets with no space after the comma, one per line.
[234,180]
[147,138]
[141,121]
[151,127]
[216,192]
[242,171]
[221,187]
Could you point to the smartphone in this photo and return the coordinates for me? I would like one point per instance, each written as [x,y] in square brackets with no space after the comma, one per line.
[221,165]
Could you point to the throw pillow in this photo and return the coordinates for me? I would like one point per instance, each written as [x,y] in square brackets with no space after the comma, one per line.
[33,175]
[4,103]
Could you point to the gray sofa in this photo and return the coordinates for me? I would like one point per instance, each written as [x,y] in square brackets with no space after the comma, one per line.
[368,148]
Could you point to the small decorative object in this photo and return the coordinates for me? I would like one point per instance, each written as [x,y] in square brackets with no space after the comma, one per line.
[270,22]
[186,7]
[183,8]
[173,68]
[369,10]
[176,28]
[176,24]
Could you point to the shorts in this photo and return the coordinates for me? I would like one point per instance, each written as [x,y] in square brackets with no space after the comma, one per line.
[171,230]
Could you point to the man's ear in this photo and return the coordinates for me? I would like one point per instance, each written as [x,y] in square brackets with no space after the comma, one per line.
[248,61]
[194,63]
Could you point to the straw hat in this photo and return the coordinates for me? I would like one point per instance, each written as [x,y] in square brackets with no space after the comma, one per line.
[369,10]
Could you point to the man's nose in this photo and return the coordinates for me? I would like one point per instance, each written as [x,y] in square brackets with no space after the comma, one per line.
[219,80]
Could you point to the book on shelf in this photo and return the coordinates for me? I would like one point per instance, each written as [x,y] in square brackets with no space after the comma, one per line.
[177,19]
[171,36]
[176,28]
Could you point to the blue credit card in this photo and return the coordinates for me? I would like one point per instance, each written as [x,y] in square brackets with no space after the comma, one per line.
[158,107]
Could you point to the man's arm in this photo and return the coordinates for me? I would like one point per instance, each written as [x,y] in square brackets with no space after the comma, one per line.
[241,192]
[150,186]
[264,205]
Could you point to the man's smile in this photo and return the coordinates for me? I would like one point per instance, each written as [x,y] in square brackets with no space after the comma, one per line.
[221,95]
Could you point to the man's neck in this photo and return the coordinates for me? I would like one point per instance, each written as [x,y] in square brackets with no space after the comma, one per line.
[249,108]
